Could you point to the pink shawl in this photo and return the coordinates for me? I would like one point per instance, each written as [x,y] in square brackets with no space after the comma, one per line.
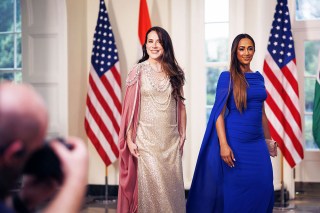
[128,184]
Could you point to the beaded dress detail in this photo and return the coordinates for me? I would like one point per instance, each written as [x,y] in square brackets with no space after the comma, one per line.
[160,178]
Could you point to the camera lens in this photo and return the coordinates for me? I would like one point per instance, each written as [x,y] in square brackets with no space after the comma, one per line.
[43,164]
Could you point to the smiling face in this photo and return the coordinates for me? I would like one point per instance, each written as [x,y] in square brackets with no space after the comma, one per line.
[153,46]
[245,51]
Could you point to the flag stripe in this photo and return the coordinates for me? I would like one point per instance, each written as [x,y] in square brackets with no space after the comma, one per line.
[106,96]
[278,92]
[97,144]
[282,147]
[144,21]
[117,88]
[289,75]
[116,76]
[111,92]
[316,114]
[283,116]
[289,81]
[114,79]
[282,136]
[283,89]
[95,135]
[101,130]
[287,126]
[316,107]
[104,116]
[103,105]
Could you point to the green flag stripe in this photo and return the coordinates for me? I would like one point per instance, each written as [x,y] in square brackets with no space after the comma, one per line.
[316,115]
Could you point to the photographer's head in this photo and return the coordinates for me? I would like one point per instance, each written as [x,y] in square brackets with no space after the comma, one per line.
[23,124]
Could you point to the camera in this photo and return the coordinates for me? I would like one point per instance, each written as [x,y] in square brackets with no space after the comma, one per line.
[42,172]
[44,163]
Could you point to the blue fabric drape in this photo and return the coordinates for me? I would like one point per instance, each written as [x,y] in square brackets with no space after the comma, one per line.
[208,197]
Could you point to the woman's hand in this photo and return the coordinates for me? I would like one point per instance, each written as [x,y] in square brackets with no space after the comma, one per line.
[225,150]
[227,155]
[133,148]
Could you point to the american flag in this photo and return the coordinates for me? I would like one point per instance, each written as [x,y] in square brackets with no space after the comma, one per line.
[103,109]
[280,71]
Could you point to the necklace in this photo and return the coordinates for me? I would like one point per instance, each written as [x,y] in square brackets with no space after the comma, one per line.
[160,84]
[157,77]
[155,68]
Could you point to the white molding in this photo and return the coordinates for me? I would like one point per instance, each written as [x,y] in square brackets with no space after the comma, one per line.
[44,25]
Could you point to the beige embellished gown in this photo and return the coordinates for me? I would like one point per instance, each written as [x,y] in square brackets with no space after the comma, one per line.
[160,179]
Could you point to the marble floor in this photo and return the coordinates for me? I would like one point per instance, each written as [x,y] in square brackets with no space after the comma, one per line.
[307,200]
[295,206]
[97,205]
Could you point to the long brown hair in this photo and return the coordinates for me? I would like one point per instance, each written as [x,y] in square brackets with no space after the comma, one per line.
[240,83]
[168,60]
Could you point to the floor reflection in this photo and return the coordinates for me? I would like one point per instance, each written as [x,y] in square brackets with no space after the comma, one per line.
[307,200]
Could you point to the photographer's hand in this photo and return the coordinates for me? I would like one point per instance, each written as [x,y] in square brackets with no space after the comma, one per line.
[74,165]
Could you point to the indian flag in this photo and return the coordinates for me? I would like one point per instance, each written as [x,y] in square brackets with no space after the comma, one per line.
[316,108]
[144,24]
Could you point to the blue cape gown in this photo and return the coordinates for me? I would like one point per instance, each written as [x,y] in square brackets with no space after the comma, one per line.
[206,191]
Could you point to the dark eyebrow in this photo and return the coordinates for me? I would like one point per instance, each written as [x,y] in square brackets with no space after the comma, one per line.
[245,46]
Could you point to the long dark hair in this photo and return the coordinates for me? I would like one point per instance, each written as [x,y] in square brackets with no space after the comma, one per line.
[168,61]
[240,83]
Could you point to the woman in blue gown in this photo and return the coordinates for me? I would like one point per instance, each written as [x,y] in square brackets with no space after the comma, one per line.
[234,171]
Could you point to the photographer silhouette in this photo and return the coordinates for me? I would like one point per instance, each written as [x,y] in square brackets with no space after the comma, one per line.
[23,125]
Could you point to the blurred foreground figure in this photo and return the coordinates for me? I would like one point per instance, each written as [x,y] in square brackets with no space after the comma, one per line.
[23,125]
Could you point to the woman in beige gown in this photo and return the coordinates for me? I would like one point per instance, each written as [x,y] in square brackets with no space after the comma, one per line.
[157,135]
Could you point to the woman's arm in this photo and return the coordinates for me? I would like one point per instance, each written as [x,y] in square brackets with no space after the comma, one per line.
[183,123]
[129,104]
[225,151]
[265,126]
[132,146]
